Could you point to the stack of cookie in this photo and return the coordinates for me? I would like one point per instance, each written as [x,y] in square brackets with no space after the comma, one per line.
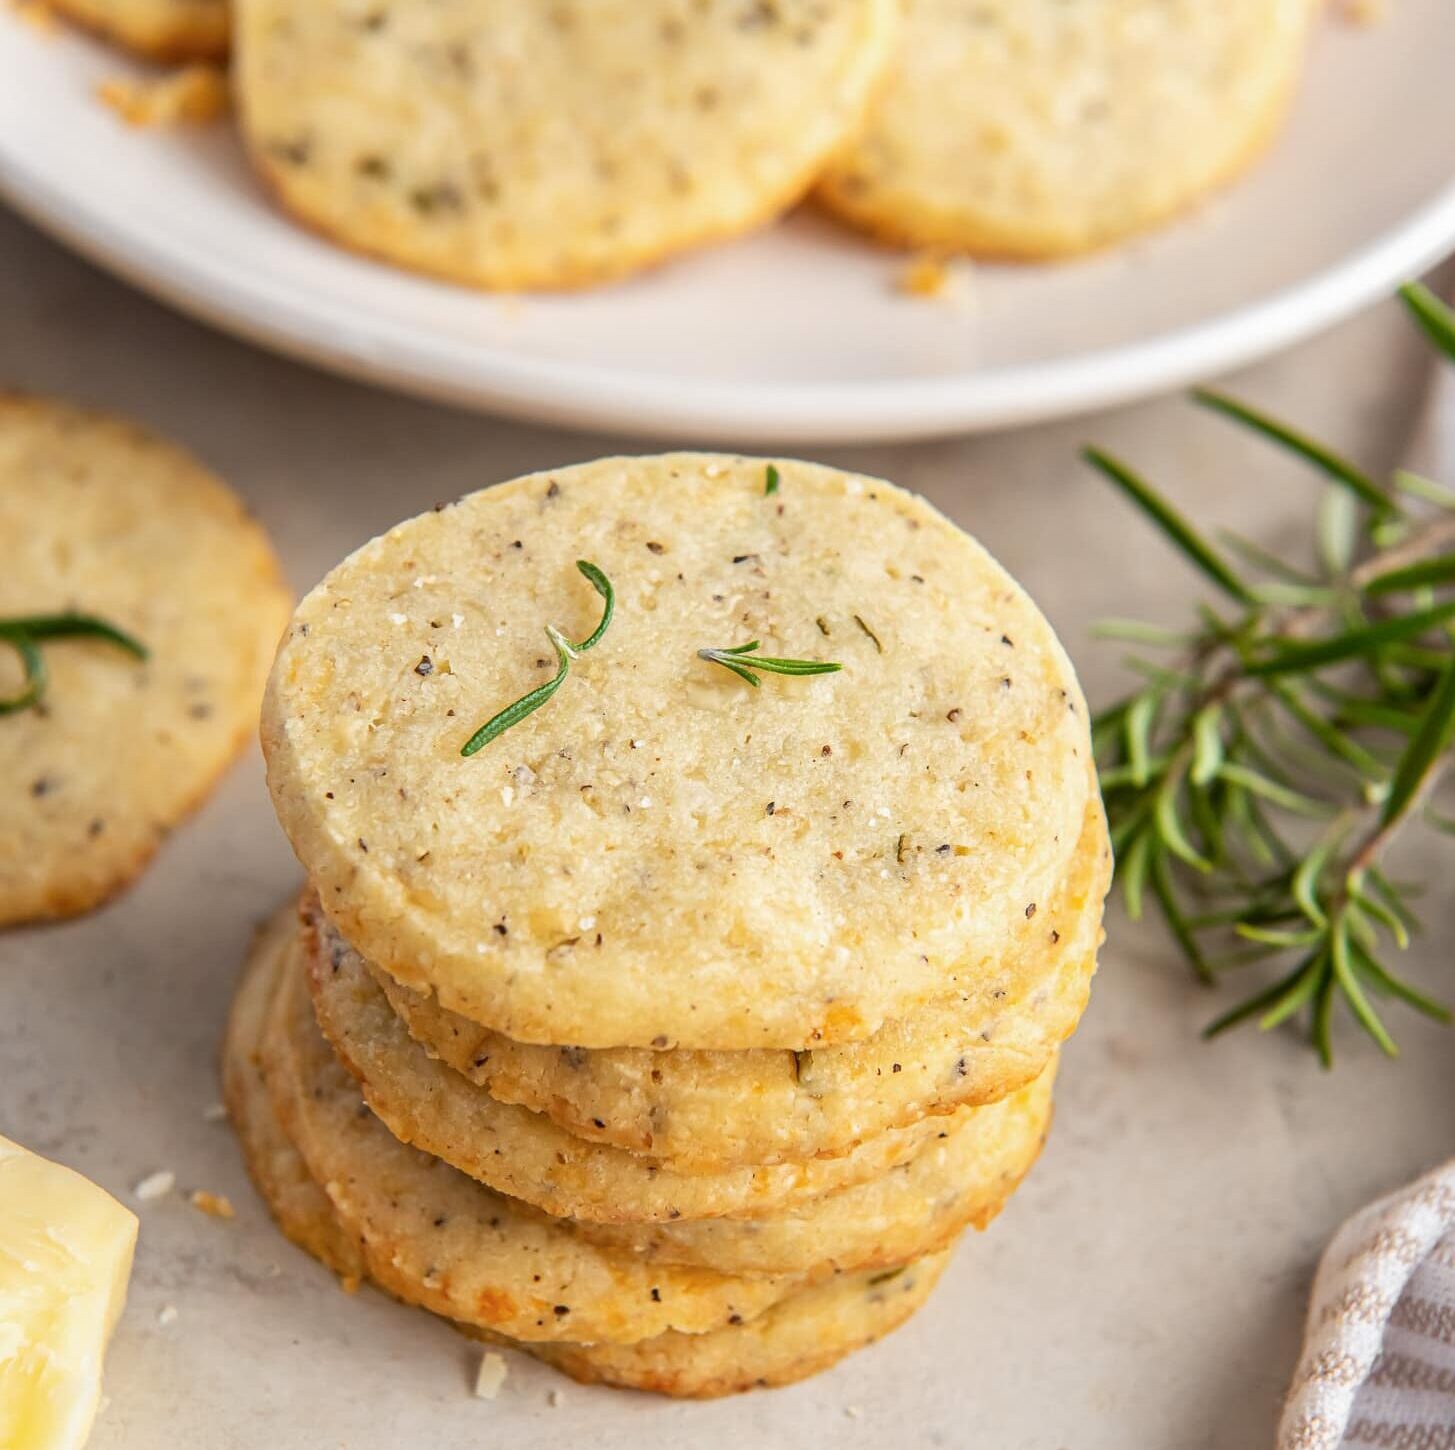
[705,867]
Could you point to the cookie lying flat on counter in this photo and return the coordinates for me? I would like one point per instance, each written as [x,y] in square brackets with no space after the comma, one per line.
[1035,128]
[820,855]
[108,528]
[158,29]
[510,145]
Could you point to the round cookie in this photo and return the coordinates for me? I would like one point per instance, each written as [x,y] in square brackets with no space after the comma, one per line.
[708,1111]
[441,1240]
[1037,128]
[159,29]
[661,855]
[101,518]
[540,146]
[796,1337]
[526,1155]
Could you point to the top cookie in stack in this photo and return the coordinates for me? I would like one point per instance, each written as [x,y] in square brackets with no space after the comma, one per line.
[663,856]
[723,966]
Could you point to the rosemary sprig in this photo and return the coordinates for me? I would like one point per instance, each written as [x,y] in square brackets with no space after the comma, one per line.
[741,656]
[24,635]
[1255,780]
[565,652]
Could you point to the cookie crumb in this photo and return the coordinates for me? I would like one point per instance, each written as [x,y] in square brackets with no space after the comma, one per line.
[934,276]
[490,1376]
[1364,12]
[190,96]
[214,1205]
[214,1113]
[154,1186]
[553,1399]
[166,1315]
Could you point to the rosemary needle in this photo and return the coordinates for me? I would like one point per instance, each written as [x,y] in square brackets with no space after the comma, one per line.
[1329,697]
[24,634]
[740,657]
[529,703]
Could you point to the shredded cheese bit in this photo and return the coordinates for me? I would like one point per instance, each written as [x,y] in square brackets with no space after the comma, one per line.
[154,1186]
[490,1376]
[190,96]
[214,1205]
[931,275]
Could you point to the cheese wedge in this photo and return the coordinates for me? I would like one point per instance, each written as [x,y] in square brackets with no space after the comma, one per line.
[65,1258]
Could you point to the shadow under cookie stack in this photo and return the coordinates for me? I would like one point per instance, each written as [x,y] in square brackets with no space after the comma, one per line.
[675,1032]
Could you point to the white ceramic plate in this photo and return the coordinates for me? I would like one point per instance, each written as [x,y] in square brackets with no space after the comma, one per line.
[799,334]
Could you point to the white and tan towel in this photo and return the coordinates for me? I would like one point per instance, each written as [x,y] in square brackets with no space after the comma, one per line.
[1378,1365]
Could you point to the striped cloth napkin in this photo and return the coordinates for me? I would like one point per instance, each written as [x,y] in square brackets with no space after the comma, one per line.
[1377,1370]
[1378,1364]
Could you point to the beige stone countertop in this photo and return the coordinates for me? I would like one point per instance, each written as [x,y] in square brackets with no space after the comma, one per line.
[1143,1291]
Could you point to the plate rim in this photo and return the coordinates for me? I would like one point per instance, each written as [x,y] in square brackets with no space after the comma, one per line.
[386,352]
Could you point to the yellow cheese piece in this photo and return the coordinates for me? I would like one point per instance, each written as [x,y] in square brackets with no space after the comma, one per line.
[65,1258]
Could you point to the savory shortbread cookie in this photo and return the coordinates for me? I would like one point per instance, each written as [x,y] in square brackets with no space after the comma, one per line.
[800,1335]
[1034,128]
[961,1179]
[299,1205]
[710,1111]
[511,145]
[160,29]
[525,1154]
[663,855]
[452,1245]
[102,519]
